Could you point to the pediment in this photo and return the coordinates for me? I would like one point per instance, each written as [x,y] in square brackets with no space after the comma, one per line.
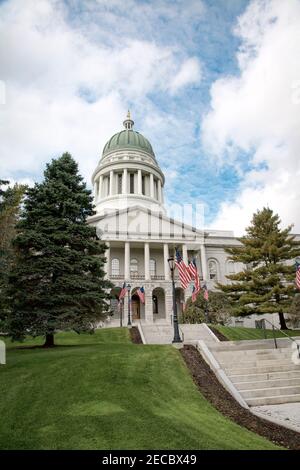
[138,223]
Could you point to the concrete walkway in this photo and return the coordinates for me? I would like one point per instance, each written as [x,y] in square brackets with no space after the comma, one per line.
[287,414]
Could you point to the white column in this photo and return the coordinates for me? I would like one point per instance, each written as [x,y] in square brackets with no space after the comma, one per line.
[147,261]
[139,182]
[168,304]
[107,256]
[127,261]
[148,304]
[100,187]
[95,190]
[151,185]
[203,262]
[166,264]
[184,254]
[111,182]
[159,191]
[124,181]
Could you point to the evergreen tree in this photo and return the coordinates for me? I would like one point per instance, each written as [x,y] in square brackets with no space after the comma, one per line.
[294,311]
[10,200]
[58,281]
[216,310]
[266,284]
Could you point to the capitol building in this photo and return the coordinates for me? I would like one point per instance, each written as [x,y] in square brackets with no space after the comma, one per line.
[132,219]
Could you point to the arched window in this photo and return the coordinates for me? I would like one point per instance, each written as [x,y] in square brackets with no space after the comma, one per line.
[213,270]
[230,267]
[115,267]
[134,266]
[152,267]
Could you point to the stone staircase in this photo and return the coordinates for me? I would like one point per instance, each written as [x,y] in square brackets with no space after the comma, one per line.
[262,375]
[163,334]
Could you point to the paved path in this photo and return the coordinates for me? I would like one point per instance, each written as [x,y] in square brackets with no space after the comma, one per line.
[288,413]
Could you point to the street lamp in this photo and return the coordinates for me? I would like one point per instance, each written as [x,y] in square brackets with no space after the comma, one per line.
[177,338]
[128,289]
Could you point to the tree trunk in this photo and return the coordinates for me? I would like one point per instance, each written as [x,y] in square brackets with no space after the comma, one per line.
[282,321]
[49,341]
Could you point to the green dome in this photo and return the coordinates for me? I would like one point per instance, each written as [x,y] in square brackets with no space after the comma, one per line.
[128,139]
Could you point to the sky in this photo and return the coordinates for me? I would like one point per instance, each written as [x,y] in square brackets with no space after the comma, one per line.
[213,84]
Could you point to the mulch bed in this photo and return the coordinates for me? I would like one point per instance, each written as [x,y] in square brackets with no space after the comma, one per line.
[135,335]
[218,396]
[218,334]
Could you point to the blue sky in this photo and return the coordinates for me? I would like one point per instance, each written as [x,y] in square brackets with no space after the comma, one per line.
[194,74]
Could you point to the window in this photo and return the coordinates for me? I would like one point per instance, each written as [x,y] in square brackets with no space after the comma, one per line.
[131,183]
[115,267]
[119,183]
[213,270]
[152,267]
[134,266]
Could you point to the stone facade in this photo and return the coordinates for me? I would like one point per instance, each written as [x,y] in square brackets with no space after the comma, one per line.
[131,218]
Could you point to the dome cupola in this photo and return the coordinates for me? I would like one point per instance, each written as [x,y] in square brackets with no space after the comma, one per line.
[128,139]
[128,173]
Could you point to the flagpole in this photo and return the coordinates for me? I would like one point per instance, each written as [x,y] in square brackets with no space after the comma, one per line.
[176,338]
[129,320]
[121,312]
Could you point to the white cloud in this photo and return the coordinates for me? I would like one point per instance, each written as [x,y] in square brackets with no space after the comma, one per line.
[68,91]
[189,72]
[259,112]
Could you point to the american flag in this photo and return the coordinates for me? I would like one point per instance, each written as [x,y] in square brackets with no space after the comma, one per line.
[194,294]
[298,275]
[123,291]
[184,273]
[205,292]
[141,293]
[193,268]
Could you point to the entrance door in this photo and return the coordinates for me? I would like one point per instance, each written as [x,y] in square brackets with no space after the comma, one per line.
[135,307]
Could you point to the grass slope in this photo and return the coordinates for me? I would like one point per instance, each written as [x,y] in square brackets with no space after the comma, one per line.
[102,392]
[235,333]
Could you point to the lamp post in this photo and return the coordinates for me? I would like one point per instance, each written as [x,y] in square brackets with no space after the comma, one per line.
[129,319]
[177,338]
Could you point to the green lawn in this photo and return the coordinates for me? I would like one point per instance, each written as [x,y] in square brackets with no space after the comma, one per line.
[235,333]
[102,392]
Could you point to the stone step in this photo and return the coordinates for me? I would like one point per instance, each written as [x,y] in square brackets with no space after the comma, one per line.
[258,384]
[269,392]
[273,400]
[253,354]
[281,367]
[259,363]
[288,374]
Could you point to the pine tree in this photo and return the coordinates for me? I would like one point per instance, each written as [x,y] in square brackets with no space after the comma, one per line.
[58,281]
[10,200]
[216,310]
[266,283]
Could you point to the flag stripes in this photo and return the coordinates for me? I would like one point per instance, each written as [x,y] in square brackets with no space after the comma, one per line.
[298,275]
[123,291]
[184,273]
[141,293]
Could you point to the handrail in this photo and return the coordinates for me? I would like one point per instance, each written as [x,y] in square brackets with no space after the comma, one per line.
[289,337]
